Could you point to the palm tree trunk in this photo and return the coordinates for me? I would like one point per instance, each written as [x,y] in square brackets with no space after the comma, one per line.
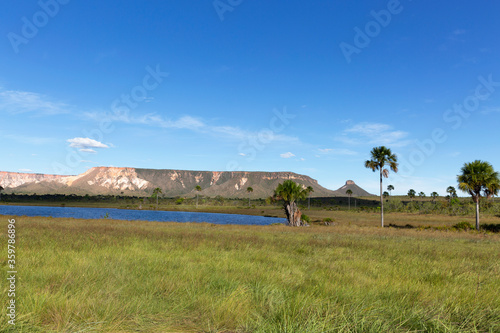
[349,202]
[308,202]
[381,202]
[293,214]
[477,214]
[196,200]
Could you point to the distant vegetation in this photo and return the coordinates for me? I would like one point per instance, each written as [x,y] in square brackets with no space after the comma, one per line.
[441,205]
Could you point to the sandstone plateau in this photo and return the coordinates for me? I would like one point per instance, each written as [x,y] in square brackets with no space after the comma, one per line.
[141,182]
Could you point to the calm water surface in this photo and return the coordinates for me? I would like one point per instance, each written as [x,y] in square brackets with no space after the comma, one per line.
[144,215]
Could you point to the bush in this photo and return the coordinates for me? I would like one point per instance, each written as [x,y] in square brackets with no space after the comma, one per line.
[306,218]
[463,226]
[179,201]
[327,219]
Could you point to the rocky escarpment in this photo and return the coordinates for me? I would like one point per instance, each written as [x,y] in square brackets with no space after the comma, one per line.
[226,183]
[142,182]
[100,180]
[16,179]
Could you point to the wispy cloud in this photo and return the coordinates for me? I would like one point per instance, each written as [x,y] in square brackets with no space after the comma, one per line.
[287,155]
[490,110]
[88,150]
[150,119]
[16,102]
[31,140]
[25,170]
[195,124]
[374,134]
[86,145]
[337,151]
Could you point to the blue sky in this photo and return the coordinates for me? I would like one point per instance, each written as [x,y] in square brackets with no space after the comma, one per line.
[308,87]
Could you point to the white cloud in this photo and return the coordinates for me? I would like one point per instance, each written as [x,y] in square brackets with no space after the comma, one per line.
[17,102]
[374,134]
[262,137]
[86,144]
[25,170]
[150,119]
[88,150]
[287,155]
[185,122]
[337,151]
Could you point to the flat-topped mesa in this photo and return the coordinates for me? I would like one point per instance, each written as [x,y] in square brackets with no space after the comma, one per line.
[142,182]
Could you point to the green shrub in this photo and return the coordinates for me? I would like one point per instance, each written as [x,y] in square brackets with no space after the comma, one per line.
[306,218]
[463,226]
[327,219]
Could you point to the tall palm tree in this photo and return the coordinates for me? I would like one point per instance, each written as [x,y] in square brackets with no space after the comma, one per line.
[382,156]
[478,179]
[421,195]
[434,195]
[411,194]
[290,192]
[390,188]
[385,194]
[452,192]
[349,193]
[249,190]
[156,193]
[198,189]
[309,191]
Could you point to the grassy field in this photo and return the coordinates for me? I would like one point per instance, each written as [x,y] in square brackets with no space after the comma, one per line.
[116,276]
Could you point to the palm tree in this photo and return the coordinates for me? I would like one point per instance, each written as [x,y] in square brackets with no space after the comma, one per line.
[309,191]
[390,188]
[434,195]
[421,195]
[290,192]
[411,194]
[452,191]
[156,193]
[478,179]
[349,193]
[249,190]
[198,189]
[385,194]
[380,157]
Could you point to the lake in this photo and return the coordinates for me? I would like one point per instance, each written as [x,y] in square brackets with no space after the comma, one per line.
[143,215]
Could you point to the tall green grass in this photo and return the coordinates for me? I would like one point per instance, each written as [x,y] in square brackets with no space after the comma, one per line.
[115,276]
